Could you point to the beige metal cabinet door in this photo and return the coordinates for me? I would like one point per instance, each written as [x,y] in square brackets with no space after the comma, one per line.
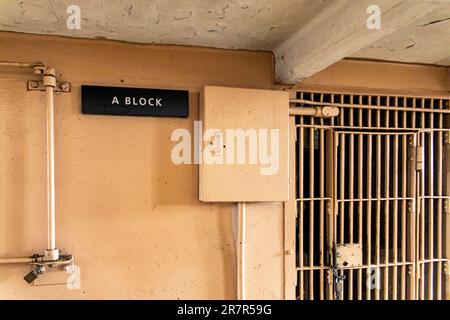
[256,121]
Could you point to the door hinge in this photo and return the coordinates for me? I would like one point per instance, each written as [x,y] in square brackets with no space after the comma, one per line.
[419,158]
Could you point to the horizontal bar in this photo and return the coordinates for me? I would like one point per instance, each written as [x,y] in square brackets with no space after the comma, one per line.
[313,268]
[370,107]
[379,129]
[20,64]
[375,133]
[381,265]
[329,127]
[434,197]
[17,260]
[375,199]
[37,260]
[423,261]
[314,199]
[369,94]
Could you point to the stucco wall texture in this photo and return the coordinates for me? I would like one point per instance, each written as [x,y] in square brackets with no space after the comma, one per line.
[130,217]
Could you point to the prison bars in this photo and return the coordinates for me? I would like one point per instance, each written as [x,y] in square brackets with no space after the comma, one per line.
[402,118]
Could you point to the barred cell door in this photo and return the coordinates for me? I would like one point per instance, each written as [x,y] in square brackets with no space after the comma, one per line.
[375,214]
[372,198]
[433,207]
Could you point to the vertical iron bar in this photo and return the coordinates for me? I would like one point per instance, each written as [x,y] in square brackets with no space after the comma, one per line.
[422,210]
[404,202]
[301,207]
[311,211]
[351,180]
[386,217]
[439,173]
[322,210]
[412,217]
[378,194]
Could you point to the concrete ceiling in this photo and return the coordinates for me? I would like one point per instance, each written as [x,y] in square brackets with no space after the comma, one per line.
[237,24]
[426,40]
[305,35]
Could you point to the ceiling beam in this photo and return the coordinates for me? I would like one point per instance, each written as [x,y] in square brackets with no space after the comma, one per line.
[341,30]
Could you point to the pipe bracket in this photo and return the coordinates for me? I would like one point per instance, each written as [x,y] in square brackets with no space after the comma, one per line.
[38,85]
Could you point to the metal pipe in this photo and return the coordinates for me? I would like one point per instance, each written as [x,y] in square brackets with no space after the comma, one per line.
[321,112]
[20,64]
[17,260]
[241,251]
[51,254]
[369,107]
[50,82]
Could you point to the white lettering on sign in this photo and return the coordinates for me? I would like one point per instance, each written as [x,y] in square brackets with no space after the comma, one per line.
[133,101]
[115,100]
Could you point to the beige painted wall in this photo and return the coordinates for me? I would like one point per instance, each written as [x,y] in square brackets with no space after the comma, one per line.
[381,77]
[129,216]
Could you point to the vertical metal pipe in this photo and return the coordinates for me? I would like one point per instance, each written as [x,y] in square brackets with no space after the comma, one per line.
[50,83]
[241,253]
[50,169]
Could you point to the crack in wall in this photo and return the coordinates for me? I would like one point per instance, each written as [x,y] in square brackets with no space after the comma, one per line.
[434,22]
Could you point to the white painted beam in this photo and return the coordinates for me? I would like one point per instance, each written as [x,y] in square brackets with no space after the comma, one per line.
[341,30]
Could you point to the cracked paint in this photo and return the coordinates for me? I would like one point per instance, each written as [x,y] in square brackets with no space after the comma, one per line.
[143,21]
[235,24]
[182,15]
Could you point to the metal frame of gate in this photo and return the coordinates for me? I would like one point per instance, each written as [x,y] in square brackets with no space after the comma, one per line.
[378,175]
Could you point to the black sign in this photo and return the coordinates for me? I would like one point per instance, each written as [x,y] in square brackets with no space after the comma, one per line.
[134,101]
